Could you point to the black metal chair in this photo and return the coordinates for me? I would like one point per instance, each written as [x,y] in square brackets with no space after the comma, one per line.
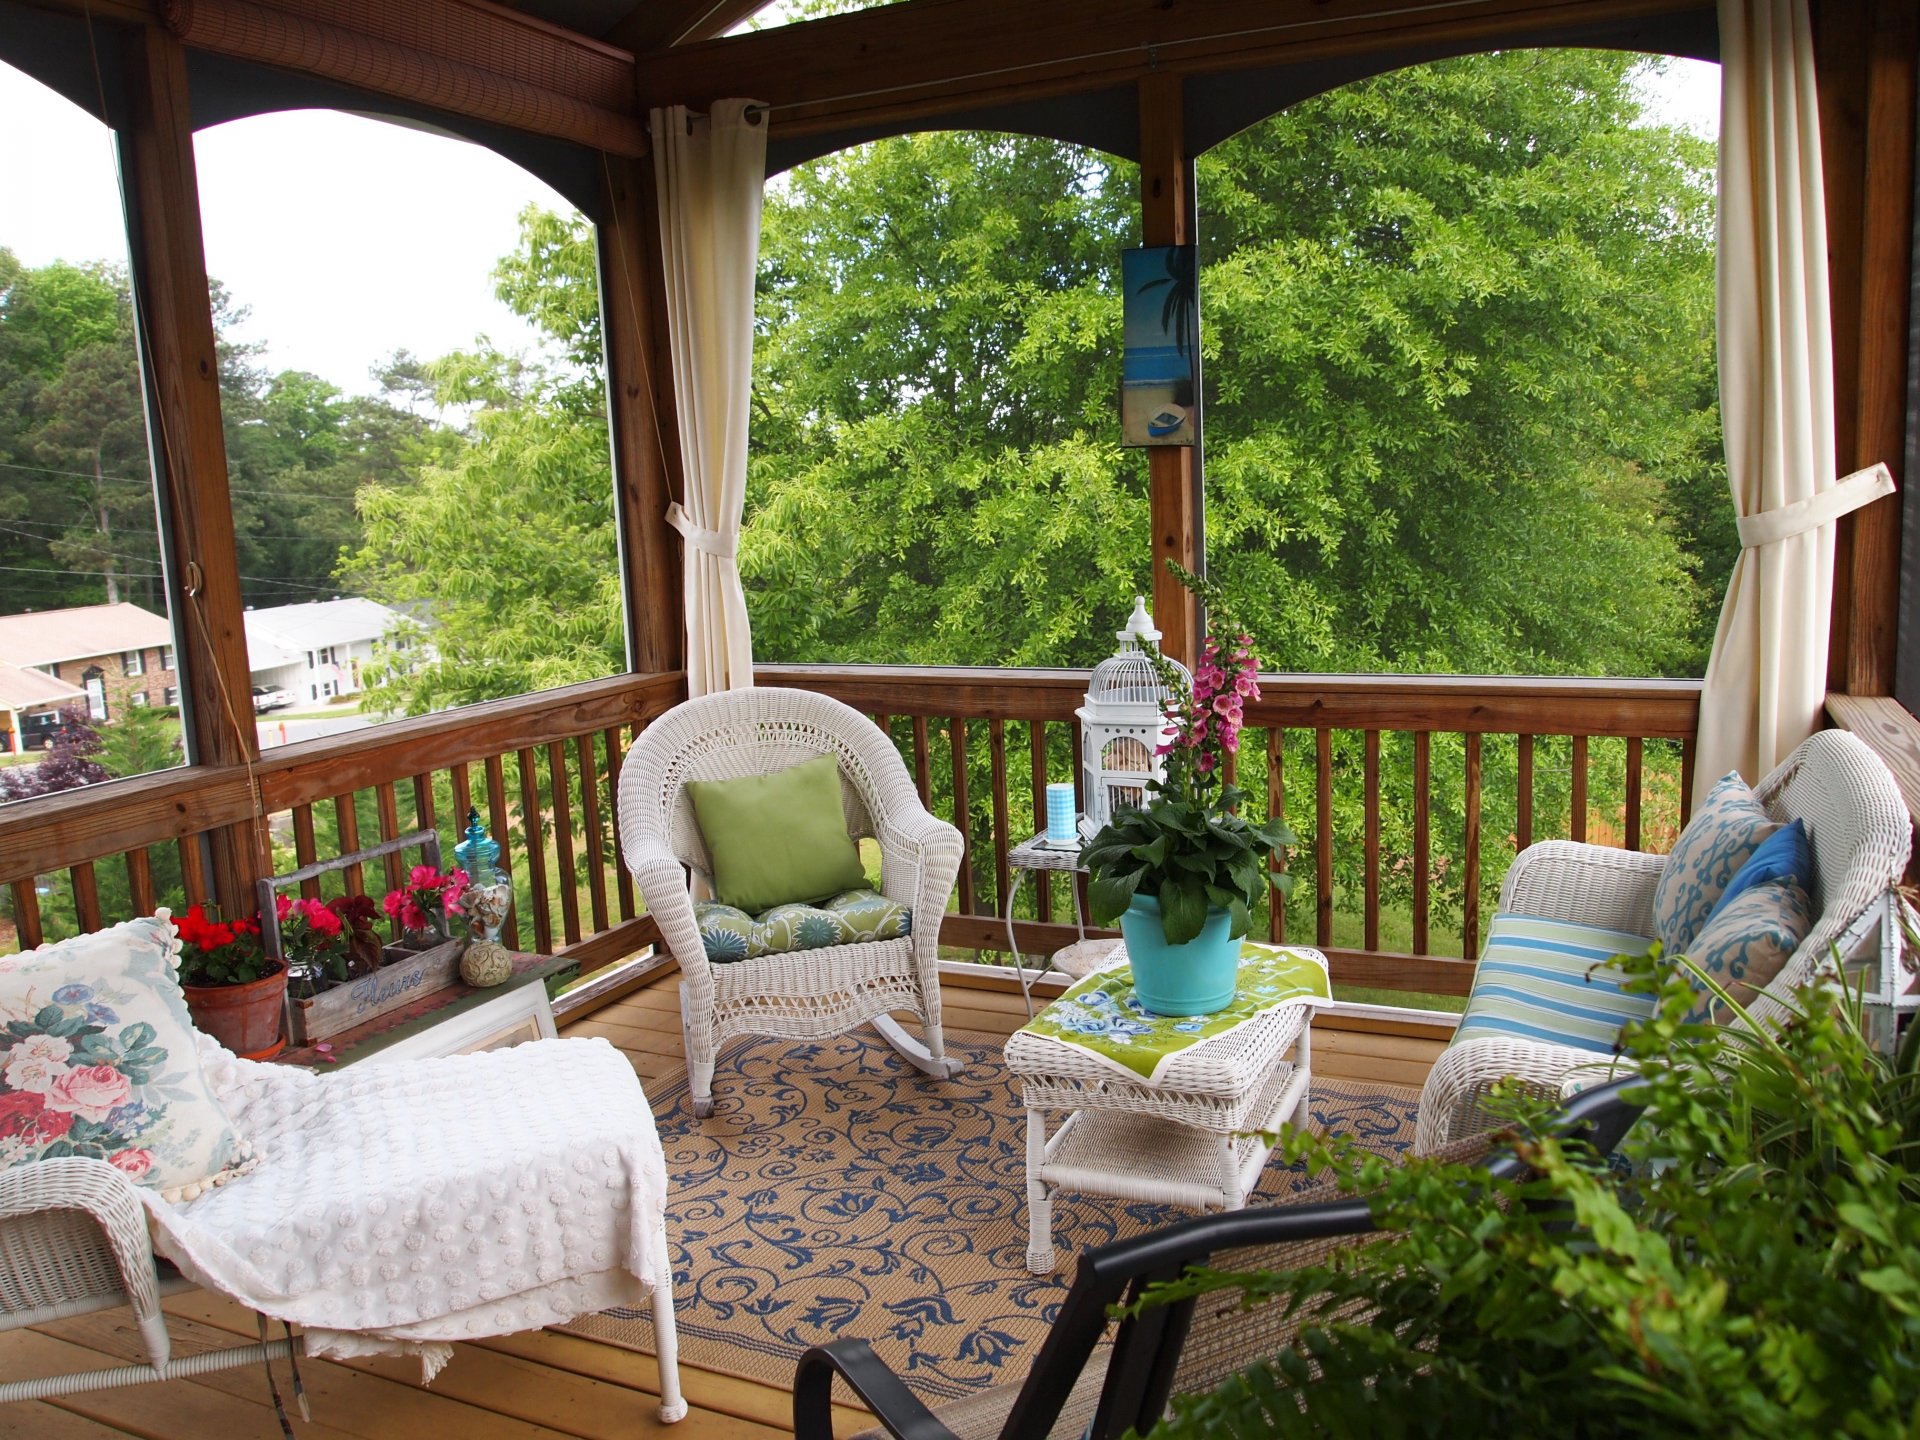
[1180,1348]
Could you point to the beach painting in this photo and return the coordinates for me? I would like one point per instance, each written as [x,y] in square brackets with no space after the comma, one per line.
[1158,404]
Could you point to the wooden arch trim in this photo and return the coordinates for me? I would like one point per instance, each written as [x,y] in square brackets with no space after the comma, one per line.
[461,56]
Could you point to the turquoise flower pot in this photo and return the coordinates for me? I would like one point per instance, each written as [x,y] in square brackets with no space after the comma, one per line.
[1196,978]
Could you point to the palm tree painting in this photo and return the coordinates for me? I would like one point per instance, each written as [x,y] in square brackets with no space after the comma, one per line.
[1161,323]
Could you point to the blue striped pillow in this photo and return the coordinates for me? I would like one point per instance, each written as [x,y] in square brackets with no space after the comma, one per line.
[1552,981]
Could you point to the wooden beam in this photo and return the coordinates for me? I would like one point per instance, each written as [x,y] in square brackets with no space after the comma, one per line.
[1880,377]
[894,63]
[662,23]
[646,449]
[175,332]
[1172,496]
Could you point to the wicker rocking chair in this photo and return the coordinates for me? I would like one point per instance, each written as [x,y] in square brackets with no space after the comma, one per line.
[805,994]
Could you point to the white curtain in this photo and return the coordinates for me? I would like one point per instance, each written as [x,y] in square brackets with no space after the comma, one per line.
[710,172]
[1766,681]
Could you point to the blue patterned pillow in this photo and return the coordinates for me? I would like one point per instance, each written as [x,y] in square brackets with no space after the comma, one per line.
[1718,840]
[1553,981]
[1748,942]
[852,917]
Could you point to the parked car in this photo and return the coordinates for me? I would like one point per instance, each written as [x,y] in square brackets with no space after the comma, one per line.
[270,697]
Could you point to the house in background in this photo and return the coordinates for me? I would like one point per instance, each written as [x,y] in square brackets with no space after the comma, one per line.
[106,656]
[316,650]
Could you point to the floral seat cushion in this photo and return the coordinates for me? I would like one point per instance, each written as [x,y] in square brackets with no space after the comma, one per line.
[852,917]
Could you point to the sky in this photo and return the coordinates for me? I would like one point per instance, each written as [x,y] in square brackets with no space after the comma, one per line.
[349,238]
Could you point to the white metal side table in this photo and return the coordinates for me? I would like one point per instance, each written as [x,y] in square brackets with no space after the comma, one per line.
[1189,1138]
[1038,853]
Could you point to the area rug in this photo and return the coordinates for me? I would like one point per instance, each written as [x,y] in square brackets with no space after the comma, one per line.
[836,1191]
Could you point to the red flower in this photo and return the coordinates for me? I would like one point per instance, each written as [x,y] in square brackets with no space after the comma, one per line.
[19,1109]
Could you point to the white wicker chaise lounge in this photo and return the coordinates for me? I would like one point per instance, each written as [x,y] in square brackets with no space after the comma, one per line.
[803,994]
[1860,833]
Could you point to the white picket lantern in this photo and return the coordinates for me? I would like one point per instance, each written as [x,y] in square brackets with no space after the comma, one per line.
[1122,723]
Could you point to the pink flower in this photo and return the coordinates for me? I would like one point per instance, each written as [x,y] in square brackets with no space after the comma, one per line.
[90,1091]
[424,877]
[132,1162]
[411,915]
[394,901]
[322,921]
[1204,764]
[282,907]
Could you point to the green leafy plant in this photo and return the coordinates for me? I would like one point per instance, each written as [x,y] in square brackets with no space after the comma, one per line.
[1755,1270]
[221,952]
[1190,847]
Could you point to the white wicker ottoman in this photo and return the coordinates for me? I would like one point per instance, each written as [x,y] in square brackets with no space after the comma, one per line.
[1182,1140]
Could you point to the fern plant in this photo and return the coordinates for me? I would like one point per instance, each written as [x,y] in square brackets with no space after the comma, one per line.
[1755,1271]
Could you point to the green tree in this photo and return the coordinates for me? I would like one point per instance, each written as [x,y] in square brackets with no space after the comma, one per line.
[505,543]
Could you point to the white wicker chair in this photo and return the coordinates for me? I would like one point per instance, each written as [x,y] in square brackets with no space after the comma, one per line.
[1860,834]
[808,994]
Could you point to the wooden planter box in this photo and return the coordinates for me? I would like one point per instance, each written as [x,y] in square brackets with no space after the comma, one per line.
[406,975]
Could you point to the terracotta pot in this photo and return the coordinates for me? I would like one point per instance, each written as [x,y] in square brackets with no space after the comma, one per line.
[244,1018]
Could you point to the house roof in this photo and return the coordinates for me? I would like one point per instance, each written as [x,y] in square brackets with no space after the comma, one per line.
[21,689]
[42,637]
[283,634]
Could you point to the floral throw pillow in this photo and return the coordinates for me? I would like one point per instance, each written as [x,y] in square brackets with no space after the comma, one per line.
[97,1059]
[1723,833]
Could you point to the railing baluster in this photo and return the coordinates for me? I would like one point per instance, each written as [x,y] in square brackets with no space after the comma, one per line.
[389,804]
[1523,807]
[193,869]
[569,878]
[1470,882]
[997,753]
[922,763]
[497,822]
[462,789]
[1686,781]
[1037,754]
[1276,805]
[26,914]
[591,831]
[86,896]
[1634,780]
[1579,819]
[1422,820]
[306,849]
[1323,838]
[962,812]
[140,881]
[534,825]
[348,819]
[423,812]
[623,878]
[1372,783]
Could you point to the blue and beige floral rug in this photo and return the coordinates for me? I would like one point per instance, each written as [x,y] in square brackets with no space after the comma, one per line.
[838,1192]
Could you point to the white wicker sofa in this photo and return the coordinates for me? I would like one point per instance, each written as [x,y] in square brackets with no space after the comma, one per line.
[803,994]
[1860,834]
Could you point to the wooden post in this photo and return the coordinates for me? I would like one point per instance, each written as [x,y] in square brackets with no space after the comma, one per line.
[1172,492]
[175,330]
[1865,56]
[646,447]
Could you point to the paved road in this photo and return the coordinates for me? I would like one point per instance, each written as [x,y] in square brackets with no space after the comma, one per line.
[275,731]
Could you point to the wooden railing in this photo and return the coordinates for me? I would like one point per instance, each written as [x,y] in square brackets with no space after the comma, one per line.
[540,767]
[1408,793]
[1585,759]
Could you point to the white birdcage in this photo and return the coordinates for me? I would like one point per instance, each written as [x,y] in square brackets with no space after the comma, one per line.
[1123,722]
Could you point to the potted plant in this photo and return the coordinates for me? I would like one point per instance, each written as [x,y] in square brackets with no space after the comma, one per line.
[328,942]
[424,904]
[1183,873]
[234,989]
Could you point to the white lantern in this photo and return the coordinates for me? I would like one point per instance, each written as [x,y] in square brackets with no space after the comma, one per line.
[1123,722]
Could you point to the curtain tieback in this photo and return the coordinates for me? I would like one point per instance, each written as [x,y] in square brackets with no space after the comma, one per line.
[1845,495]
[711,542]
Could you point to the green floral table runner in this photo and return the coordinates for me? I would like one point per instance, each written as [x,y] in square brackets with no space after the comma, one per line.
[1101,1015]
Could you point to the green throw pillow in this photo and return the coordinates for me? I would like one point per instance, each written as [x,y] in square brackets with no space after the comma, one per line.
[778,838]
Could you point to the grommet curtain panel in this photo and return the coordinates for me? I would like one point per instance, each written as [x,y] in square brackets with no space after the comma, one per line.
[1766,680]
[710,171]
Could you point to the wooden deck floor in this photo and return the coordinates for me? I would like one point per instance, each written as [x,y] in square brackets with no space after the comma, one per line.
[538,1384]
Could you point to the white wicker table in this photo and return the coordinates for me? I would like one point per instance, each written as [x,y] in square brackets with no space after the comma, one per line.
[1187,1139]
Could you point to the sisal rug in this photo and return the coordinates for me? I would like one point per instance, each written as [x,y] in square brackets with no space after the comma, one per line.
[837,1192]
